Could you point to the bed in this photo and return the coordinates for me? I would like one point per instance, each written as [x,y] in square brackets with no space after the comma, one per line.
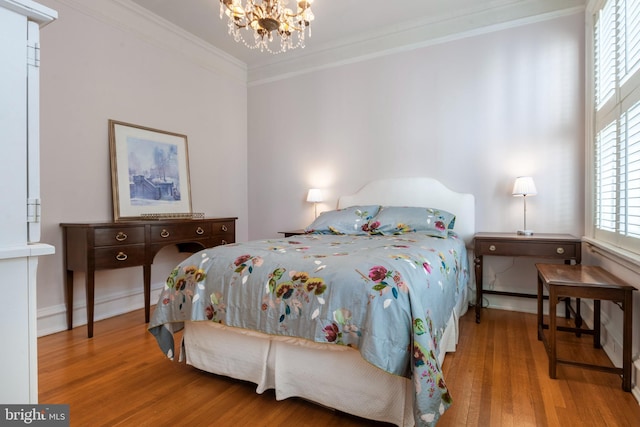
[357,315]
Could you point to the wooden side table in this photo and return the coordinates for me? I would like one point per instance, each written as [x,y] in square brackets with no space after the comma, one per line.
[89,247]
[591,282]
[553,246]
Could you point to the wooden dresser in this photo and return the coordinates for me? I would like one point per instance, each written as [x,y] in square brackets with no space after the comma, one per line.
[106,245]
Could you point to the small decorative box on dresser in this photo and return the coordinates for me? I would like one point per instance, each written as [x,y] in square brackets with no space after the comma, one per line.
[540,245]
[100,246]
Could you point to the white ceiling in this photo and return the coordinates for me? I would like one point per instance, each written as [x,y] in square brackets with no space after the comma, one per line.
[342,22]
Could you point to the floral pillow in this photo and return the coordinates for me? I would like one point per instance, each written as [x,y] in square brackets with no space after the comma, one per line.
[406,219]
[351,220]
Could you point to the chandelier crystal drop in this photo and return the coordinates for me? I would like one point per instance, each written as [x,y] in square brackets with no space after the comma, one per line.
[266,20]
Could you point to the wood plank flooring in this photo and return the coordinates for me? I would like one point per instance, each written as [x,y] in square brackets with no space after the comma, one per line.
[498,377]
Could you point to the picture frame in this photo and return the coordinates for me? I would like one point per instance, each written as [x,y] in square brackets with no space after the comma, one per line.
[149,172]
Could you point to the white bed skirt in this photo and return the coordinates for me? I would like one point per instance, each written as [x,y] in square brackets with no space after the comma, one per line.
[328,374]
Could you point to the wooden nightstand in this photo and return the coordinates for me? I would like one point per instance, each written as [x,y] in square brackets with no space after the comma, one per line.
[554,246]
[292,232]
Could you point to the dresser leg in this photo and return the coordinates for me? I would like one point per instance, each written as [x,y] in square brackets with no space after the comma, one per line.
[147,292]
[69,298]
[90,298]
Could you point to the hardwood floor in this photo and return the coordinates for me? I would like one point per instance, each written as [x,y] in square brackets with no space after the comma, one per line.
[498,377]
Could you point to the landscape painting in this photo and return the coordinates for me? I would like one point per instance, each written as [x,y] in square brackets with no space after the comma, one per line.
[149,172]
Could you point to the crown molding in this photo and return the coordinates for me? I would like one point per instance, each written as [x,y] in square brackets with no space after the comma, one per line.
[431,31]
[154,30]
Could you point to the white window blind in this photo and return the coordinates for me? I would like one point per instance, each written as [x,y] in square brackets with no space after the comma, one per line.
[605,54]
[606,176]
[616,90]
[630,37]
[631,172]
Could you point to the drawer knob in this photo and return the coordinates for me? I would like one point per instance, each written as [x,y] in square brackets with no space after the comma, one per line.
[121,256]
[224,227]
[492,248]
[224,242]
[560,250]
[199,230]
[164,233]
[121,236]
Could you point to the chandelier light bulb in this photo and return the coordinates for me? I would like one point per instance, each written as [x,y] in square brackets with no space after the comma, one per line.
[268,20]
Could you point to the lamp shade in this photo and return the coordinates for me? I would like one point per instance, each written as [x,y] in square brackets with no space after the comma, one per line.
[314,195]
[524,186]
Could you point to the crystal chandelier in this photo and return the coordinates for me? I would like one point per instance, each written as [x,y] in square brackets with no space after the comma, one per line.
[264,18]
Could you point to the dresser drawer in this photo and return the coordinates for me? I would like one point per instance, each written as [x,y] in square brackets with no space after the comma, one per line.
[532,249]
[119,256]
[177,232]
[224,232]
[222,239]
[224,227]
[113,236]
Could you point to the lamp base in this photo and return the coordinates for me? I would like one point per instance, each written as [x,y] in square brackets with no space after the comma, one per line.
[525,232]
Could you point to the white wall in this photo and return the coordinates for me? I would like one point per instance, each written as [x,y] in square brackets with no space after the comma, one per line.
[474,113]
[104,60]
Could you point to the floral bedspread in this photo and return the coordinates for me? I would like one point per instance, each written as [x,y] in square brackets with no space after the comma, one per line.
[389,297]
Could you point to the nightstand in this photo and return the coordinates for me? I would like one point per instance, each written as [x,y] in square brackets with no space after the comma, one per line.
[540,245]
[292,232]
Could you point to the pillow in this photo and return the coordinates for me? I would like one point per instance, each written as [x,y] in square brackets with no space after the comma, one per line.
[406,219]
[344,221]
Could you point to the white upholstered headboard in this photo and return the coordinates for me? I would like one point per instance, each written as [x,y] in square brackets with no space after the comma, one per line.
[421,192]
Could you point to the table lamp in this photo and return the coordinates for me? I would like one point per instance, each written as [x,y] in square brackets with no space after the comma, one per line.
[524,186]
[314,196]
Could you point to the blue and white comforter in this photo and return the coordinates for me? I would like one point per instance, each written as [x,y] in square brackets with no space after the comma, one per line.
[389,297]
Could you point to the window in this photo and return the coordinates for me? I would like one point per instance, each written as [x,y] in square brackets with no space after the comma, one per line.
[616,118]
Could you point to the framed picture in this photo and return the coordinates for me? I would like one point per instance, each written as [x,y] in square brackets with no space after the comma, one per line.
[149,172]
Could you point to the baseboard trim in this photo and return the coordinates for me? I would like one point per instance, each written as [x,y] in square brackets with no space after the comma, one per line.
[635,376]
[53,319]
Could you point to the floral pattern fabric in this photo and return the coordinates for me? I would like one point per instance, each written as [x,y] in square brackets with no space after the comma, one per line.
[389,297]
